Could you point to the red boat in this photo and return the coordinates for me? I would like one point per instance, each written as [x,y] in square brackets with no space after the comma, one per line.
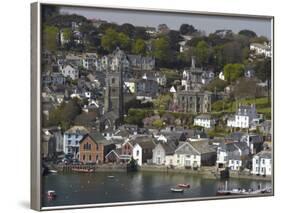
[51,195]
[183,185]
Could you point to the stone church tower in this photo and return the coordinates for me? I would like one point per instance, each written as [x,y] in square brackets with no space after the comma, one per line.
[113,98]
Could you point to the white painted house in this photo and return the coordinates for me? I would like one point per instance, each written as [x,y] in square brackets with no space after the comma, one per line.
[71,140]
[231,155]
[261,49]
[262,164]
[243,117]
[160,152]
[137,154]
[205,121]
[70,71]
[185,156]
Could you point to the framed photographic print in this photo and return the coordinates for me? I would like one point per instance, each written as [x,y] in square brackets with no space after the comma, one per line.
[138,105]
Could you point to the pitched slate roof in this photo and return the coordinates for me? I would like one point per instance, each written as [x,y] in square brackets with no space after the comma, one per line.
[97,137]
[202,147]
[242,145]
[77,129]
[186,148]
[264,154]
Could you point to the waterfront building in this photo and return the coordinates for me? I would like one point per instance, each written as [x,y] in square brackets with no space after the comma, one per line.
[192,155]
[142,150]
[160,152]
[71,139]
[91,148]
[262,163]
[232,155]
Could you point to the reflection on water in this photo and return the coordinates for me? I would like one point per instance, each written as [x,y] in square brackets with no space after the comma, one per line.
[75,189]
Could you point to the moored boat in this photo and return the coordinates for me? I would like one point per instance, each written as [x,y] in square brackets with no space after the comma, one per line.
[183,185]
[177,190]
[51,194]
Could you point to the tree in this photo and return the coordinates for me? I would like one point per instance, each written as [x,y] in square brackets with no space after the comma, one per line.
[139,47]
[123,41]
[65,114]
[186,29]
[260,39]
[216,85]
[65,20]
[161,49]
[50,38]
[87,28]
[233,71]
[105,26]
[174,38]
[202,52]
[158,123]
[140,32]
[245,88]
[232,52]
[162,102]
[67,34]
[49,11]
[127,29]
[248,33]
[263,72]
[111,39]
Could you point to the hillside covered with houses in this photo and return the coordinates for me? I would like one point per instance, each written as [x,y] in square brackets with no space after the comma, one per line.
[162,97]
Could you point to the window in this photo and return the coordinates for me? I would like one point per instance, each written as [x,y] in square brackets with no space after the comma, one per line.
[90,157]
[89,146]
[84,157]
[97,147]
[113,80]
[138,152]
[263,161]
[237,162]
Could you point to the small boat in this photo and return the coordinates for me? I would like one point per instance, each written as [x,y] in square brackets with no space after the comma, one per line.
[51,194]
[110,176]
[241,191]
[177,190]
[183,185]
[53,171]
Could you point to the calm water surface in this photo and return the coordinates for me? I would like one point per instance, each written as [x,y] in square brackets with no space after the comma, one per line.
[78,188]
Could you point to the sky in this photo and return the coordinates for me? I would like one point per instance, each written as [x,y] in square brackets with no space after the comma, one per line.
[205,23]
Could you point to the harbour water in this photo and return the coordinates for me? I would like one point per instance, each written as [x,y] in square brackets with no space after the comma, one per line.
[96,188]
